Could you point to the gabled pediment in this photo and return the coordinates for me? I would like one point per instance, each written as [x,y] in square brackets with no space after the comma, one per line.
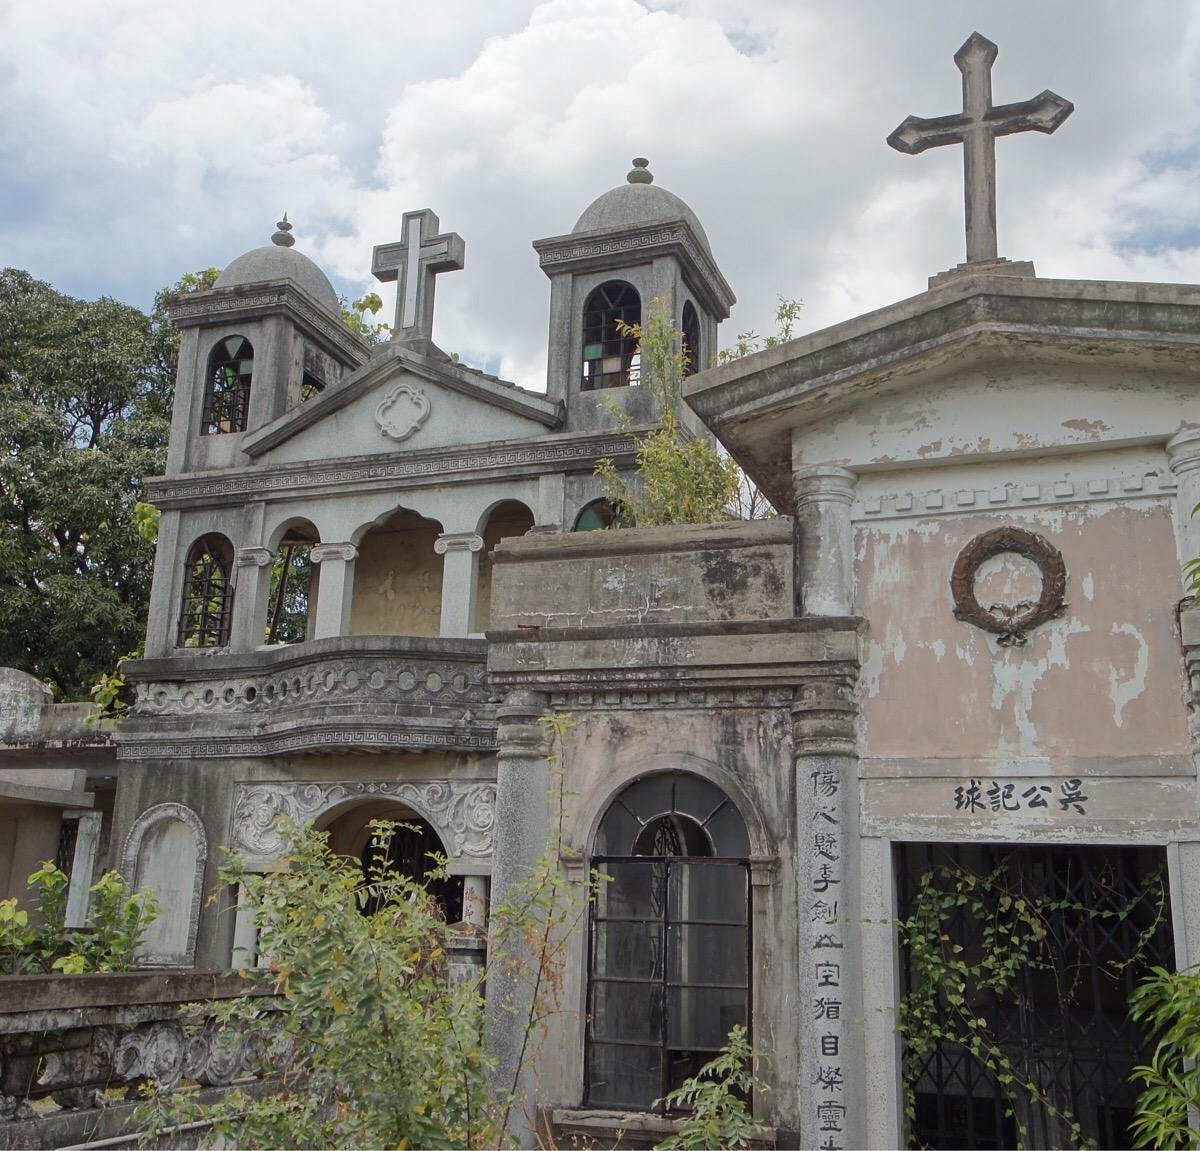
[401,399]
[981,365]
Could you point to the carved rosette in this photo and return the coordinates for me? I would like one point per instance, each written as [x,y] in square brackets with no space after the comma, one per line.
[463,813]
[402,411]
[1010,623]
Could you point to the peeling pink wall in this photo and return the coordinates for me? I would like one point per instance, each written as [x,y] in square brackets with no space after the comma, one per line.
[1105,680]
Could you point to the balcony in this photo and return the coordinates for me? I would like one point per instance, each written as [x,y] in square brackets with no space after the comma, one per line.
[347,693]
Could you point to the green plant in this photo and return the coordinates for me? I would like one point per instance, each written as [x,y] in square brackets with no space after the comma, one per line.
[681,478]
[1167,1004]
[750,342]
[715,1099]
[387,1047]
[41,941]
[354,315]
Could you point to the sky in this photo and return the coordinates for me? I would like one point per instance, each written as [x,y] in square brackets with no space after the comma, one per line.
[140,140]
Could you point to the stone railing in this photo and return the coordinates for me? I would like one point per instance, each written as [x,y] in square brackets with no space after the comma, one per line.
[357,693]
[76,1050]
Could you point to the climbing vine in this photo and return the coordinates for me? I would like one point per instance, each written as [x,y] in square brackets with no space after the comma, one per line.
[964,985]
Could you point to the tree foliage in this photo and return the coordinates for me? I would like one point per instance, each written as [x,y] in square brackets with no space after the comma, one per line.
[85,403]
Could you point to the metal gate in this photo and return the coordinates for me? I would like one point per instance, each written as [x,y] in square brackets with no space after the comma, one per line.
[1066,1027]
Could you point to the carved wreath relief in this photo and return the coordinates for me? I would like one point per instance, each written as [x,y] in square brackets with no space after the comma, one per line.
[1009,622]
[402,411]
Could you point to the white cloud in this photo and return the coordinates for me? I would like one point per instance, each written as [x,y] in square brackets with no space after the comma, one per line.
[142,140]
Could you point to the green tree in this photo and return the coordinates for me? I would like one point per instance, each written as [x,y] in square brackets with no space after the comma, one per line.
[1167,1005]
[85,402]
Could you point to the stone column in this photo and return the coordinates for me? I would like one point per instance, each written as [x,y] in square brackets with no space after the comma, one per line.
[83,866]
[523,788]
[162,624]
[248,627]
[460,581]
[824,540]
[832,1072]
[1183,455]
[475,900]
[335,588]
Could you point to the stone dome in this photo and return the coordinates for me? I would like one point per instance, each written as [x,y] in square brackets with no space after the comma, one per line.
[636,202]
[280,261]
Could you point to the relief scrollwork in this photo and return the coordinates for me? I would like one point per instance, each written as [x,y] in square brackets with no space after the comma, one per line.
[463,813]
[1010,623]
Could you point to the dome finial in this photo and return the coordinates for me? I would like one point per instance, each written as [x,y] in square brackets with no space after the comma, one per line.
[641,171]
[282,238]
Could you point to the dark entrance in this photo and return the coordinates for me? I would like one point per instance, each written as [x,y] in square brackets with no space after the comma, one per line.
[412,851]
[1064,1025]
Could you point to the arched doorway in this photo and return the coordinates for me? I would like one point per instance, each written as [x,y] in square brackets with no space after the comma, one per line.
[410,851]
[669,941]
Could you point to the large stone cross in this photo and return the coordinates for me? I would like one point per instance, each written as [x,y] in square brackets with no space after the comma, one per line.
[415,262]
[976,128]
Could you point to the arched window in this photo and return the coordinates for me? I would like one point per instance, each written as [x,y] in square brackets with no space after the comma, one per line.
[602,514]
[292,586]
[669,970]
[609,355]
[227,389]
[691,340]
[207,593]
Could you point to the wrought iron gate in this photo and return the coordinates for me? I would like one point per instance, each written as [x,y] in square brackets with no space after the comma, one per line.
[1066,1028]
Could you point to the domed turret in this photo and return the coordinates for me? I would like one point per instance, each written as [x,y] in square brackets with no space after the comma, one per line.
[278,260]
[637,202]
[265,338]
[635,244]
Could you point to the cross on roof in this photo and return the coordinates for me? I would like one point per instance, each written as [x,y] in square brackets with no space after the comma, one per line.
[415,262]
[976,128]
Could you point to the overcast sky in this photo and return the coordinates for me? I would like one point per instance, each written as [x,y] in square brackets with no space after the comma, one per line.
[140,140]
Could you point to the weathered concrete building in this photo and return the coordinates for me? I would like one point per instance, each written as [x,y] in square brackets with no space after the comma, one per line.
[966,641]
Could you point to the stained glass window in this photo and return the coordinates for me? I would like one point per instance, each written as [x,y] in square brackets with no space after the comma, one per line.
[610,356]
[207,593]
[227,393]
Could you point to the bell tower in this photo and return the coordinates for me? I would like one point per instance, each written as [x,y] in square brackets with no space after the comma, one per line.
[635,244]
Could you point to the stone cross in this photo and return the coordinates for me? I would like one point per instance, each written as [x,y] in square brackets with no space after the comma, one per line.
[976,128]
[415,262]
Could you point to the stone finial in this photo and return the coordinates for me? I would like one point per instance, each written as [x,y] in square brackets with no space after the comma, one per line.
[283,237]
[976,128]
[640,173]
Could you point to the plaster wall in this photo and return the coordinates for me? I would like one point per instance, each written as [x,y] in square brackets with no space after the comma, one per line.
[1097,694]
[354,430]
[1002,405]
[398,579]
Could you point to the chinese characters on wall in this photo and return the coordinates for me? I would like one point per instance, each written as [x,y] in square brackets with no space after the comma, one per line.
[825,947]
[995,796]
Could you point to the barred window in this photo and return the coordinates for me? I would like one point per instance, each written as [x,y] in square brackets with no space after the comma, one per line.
[691,340]
[669,946]
[227,391]
[610,355]
[207,593]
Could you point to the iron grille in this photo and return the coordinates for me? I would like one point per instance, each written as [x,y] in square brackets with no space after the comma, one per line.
[1067,1029]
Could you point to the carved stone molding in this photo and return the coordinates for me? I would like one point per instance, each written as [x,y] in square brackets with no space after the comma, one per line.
[402,411]
[458,542]
[129,866]
[1009,622]
[373,472]
[322,552]
[463,813]
[254,557]
[1013,494]
[823,718]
